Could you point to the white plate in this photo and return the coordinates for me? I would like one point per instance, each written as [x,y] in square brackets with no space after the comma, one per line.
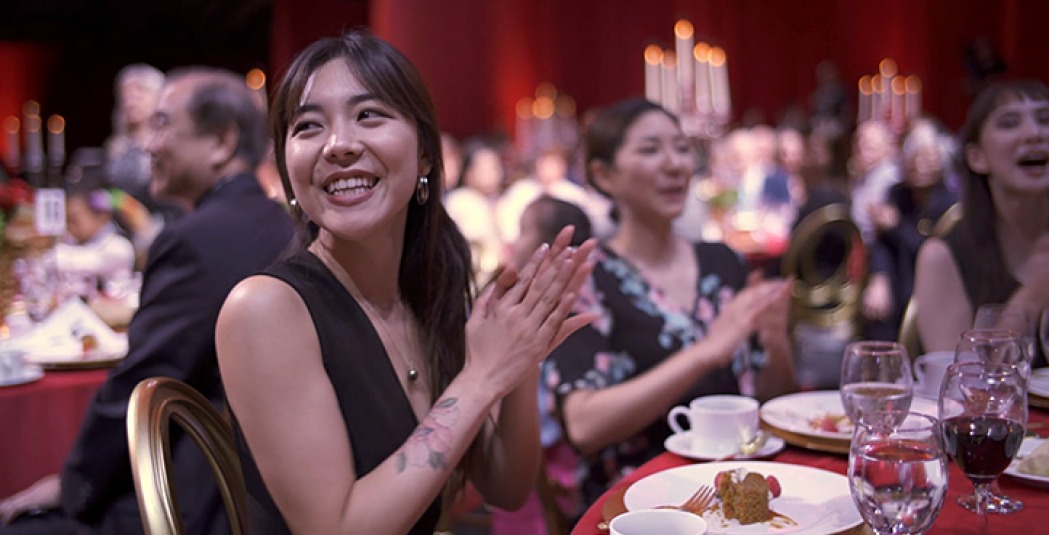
[681,444]
[29,374]
[1028,446]
[1039,382]
[818,500]
[795,412]
[97,359]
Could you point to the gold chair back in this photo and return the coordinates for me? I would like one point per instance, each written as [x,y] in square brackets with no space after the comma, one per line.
[908,336]
[156,402]
[817,297]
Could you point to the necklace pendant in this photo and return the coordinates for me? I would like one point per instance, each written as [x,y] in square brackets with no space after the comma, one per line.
[413,375]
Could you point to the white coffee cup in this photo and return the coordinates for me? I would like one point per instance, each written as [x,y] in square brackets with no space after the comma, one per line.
[717,425]
[657,521]
[930,369]
[12,362]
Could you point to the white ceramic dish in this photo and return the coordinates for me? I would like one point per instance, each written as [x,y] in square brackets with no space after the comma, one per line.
[798,412]
[817,500]
[1039,384]
[29,373]
[681,444]
[1028,446]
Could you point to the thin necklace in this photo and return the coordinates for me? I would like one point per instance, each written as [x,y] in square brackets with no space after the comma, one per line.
[380,324]
[376,320]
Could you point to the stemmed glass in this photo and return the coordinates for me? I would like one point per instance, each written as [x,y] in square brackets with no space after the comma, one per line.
[875,378]
[983,410]
[1001,346]
[1014,318]
[898,472]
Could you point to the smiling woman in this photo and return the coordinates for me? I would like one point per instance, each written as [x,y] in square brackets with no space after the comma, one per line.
[1004,163]
[346,364]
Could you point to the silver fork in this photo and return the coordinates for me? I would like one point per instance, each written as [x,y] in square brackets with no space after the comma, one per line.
[698,503]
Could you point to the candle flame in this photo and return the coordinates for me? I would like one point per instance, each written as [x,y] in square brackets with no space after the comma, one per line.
[31,108]
[914,84]
[876,83]
[545,89]
[32,124]
[56,124]
[717,56]
[898,86]
[256,79]
[887,68]
[683,29]
[653,55]
[566,106]
[543,108]
[11,124]
[865,85]
[701,52]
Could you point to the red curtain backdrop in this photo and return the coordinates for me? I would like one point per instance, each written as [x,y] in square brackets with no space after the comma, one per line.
[480,57]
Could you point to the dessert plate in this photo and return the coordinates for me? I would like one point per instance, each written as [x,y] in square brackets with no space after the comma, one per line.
[681,444]
[804,412]
[27,374]
[1028,446]
[818,501]
[1039,383]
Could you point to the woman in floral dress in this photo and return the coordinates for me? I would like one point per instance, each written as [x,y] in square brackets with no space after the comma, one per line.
[677,320]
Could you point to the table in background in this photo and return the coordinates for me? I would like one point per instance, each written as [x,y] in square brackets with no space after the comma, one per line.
[953,519]
[40,421]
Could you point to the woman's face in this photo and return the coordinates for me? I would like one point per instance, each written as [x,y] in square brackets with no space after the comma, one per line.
[485,173]
[924,165]
[352,159]
[652,168]
[1013,146]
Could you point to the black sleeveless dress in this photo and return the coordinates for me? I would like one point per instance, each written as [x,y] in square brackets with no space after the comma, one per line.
[981,290]
[377,413]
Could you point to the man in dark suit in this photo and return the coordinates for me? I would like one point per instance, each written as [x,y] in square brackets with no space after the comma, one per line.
[210,136]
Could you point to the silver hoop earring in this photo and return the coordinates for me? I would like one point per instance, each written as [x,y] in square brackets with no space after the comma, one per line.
[422,190]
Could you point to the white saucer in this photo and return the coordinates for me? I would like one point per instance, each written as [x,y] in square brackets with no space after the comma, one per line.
[681,444]
[28,374]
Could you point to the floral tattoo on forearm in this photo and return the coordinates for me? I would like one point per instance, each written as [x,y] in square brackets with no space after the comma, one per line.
[429,444]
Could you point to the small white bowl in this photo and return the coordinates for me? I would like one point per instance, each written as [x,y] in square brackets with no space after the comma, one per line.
[657,521]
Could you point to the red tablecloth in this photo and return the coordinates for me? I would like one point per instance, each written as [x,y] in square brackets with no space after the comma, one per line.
[38,423]
[953,519]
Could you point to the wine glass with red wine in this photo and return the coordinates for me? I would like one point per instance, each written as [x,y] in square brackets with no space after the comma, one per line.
[1002,345]
[983,411]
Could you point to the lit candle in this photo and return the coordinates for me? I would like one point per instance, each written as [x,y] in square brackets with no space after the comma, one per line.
[898,116]
[914,96]
[722,101]
[863,111]
[11,145]
[524,126]
[34,149]
[683,41]
[56,140]
[256,81]
[701,53]
[671,96]
[887,70]
[877,98]
[653,73]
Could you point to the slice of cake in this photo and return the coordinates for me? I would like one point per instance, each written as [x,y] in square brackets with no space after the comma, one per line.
[745,495]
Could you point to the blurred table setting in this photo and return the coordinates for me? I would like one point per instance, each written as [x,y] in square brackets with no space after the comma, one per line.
[812,470]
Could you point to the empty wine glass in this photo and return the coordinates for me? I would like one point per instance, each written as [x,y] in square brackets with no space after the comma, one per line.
[1002,346]
[875,378]
[898,472]
[983,411]
[1014,318]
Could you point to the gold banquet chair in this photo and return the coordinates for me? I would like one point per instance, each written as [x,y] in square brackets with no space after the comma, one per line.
[156,402]
[818,297]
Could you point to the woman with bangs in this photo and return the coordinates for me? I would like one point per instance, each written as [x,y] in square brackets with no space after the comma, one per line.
[999,251]
[362,381]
